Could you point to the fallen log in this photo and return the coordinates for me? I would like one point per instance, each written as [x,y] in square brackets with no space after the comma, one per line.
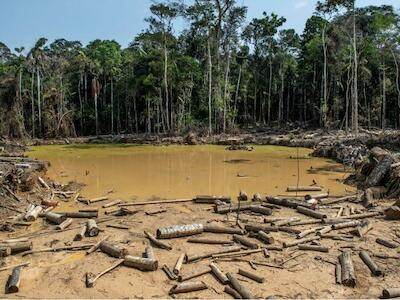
[301,241]
[222,229]
[379,172]
[291,203]
[99,199]
[179,231]
[209,241]
[348,276]
[17,247]
[305,222]
[370,264]
[307,232]
[203,199]
[155,202]
[244,241]
[224,209]
[304,189]
[261,210]
[265,228]
[346,225]
[91,278]
[324,230]
[14,266]
[64,224]
[387,243]
[311,213]
[244,292]
[55,218]
[96,246]
[80,215]
[218,273]
[178,264]
[154,241]
[168,272]
[194,274]
[363,216]
[339,200]
[113,250]
[391,293]
[251,275]
[143,264]
[232,292]
[155,212]
[89,210]
[149,253]
[112,203]
[195,257]
[80,235]
[313,248]
[57,249]
[187,287]
[33,214]
[261,235]
[13,282]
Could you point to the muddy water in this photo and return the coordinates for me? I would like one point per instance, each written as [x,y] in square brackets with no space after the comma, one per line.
[143,172]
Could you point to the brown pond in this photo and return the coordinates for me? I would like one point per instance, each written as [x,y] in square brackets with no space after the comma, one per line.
[167,172]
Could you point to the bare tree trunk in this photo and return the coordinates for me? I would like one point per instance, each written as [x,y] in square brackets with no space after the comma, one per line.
[112,106]
[269,90]
[166,87]
[383,96]
[325,105]
[80,102]
[237,91]
[355,78]
[39,102]
[136,115]
[33,104]
[209,87]
[397,82]
[280,111]
[226,89]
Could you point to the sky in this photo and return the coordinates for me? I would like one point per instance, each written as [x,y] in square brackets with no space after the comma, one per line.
[22,22]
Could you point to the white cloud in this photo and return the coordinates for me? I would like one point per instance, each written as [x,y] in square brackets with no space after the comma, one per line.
[301,3]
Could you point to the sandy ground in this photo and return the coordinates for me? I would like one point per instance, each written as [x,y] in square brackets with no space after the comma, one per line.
[62,274]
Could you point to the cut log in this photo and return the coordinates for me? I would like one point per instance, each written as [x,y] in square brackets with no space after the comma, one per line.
[251,275]
[196,257]
[386,243]
[14,281]
[222,229]
[143,264]
[224,209]
[33,214]
[305,222]
[5,251]
[203,199]
[232,292]
[179,231]
[243,291]
[307,232]
[348,275]
[91,279]
[96,246]
[379,172]
[291,203]
[55,218]
[338,273]
[218,273]
[113,250]
[17,247]
[370,264]
[187,287]
[157,243]
[245,241]
[112,203]
[178,264]
[194,274]
[168,272]
[346,225]
[209,241]
[391,293]
[314,248]
[92,229]
[64,224]
[304,189]
[261,235]
[80,215]
[324,230]
[339,200]
[90,210]
[265,228]
[156,202]
[99,199]
[301,241]
[43,183]
[149,252]
[81,234]
[311,213]
[260,210]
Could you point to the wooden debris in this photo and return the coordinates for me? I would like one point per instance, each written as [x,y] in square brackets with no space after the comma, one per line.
[196,257]
[113,250]
[33,214]
[17,247]
[310,212]
[187,287]
[244,292]
[155,202]
[64,224]
[222,229]
[244,241]
[14,266]
[391,293]
[251,275]
[112,203]
[300,241]
[338,273]
[96,246]
[141,263]
[57,249]
[99,199]
[218,273]
[264,237]
[155,212]
[348,276]
[304,189]
[211,199]
[313,248]
[209,241]
[194,274]
[92,229]
[43,183]
[386,243]
[157,243]
[13,282]
[179,231]
[370,264]
[169,273]
[232,292]
[178,264]
[81,234]
[55,218]
[346,225]
[91,279]
[261,210]
[149,253]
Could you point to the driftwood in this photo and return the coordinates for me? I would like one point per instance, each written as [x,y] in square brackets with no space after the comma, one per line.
[178,264]
[313,248]
[243,291]
[187,287]
[112,203]
[375,270]
[304,189]
[244,241]
[154,241]
[64,224]
[14,281]
[209,241]
[310,212]
[232,292]
[194,274]
[386,243]
[196,257]
[143,264]
[179,231]
[251,275]
[300,241]
[91,278]
[55,218]
[218,273]
[348,276]
[92,229]
[222,229]
[96,246]
[391,293]
[113,250]
[203,199]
